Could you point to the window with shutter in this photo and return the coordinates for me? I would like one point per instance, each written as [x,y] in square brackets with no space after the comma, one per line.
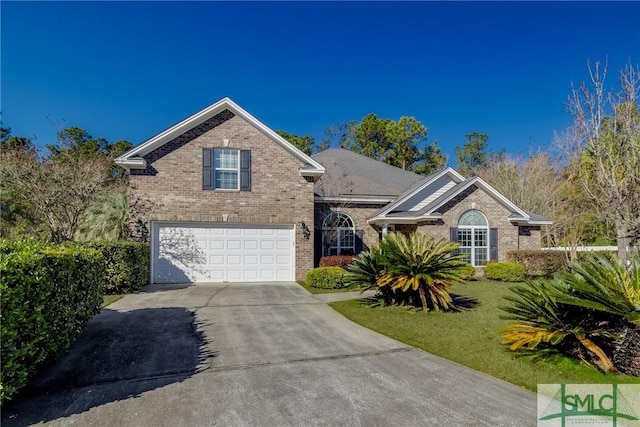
[226,169]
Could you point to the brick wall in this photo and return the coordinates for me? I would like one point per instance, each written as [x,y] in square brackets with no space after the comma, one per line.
[497,216]
[170,189]
[359,213]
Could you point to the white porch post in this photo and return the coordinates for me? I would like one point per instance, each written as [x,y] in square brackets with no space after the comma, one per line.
[385,229]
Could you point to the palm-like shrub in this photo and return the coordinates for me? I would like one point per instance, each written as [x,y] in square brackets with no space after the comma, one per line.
[422,265]
[542,324]
[105,219]
[365,270]
[596,309]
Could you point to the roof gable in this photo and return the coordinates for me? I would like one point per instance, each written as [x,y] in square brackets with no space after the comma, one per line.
[133,159]
[406,209]
[408,198]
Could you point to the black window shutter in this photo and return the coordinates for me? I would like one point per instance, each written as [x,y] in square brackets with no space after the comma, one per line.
[245,170]
[317,246]
[359,244]
[453,234]
[207,168]
[493,242]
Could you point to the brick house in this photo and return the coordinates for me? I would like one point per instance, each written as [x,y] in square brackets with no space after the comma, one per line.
[224,198]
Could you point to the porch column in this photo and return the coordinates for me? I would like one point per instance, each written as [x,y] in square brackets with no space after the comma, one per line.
[385,229]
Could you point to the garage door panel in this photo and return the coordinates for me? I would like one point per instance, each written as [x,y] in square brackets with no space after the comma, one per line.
[251,244]
[201,252]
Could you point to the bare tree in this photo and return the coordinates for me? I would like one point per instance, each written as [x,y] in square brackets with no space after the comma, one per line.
[532,183]
[59,189]
[606,128]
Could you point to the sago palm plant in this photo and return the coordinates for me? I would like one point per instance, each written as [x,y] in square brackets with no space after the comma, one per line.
[542,324]
[365,270]
[421,264]
[595,308]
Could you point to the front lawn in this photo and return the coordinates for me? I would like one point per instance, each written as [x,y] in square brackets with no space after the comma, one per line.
[470,338]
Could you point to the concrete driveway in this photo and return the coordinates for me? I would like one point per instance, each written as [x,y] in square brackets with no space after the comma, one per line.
[268,354]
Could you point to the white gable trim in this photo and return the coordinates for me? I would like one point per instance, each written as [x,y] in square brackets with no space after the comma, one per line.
[524,218]
[489,189]
[446,171]
[132,159]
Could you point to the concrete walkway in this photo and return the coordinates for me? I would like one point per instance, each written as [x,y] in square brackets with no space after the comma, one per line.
[268,354]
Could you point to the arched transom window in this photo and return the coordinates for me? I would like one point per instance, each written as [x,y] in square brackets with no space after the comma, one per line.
[338,235]
[473,236]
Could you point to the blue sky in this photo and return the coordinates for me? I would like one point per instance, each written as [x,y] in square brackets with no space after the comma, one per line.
[127,70]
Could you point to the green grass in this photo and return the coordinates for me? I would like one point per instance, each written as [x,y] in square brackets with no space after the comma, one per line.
[323,291]
[470,338]
[110,299]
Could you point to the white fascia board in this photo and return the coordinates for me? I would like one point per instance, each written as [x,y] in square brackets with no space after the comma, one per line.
[401,220]
[132,163]
[500,197]
[177,129]
[269,132]
[353,199]
[204,115]
[316,173]
[489,189]
[527,221]
[448,170]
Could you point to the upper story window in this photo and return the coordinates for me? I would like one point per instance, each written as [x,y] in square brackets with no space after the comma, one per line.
[226,164]
[226,169]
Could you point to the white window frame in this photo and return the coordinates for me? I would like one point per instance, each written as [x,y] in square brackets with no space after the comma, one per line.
[472,229]
[339,247]
[223,169]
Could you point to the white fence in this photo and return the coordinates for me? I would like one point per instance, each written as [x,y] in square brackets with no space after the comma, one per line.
[583,248]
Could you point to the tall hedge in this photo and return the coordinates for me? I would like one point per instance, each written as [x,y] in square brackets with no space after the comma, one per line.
[47,293]
[539,263]
[127,265]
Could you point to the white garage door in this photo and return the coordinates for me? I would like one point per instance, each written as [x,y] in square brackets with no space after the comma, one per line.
[222,253]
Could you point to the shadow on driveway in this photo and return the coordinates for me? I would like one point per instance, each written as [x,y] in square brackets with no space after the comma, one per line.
[119,355]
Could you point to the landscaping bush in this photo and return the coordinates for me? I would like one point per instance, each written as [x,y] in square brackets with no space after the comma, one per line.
[468,271]
[336,260]
[539,263]
[326,277]
[48,293]
[127,265]
[504,271]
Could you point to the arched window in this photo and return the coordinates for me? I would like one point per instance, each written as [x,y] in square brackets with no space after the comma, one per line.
[338,235]
[473,236]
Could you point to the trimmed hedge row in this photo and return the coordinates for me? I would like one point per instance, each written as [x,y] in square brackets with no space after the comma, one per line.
[539,263]
[326,277]
[127,265]
[337,260]
[504,272]
[48,293]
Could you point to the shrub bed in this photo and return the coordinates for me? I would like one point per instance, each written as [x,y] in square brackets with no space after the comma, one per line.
[504,272]
[48,293]
[337,260]
[127,265]
[468,272]
[326,277]
[539,263]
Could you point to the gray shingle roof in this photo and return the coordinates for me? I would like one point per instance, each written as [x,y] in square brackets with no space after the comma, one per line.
[351,174]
